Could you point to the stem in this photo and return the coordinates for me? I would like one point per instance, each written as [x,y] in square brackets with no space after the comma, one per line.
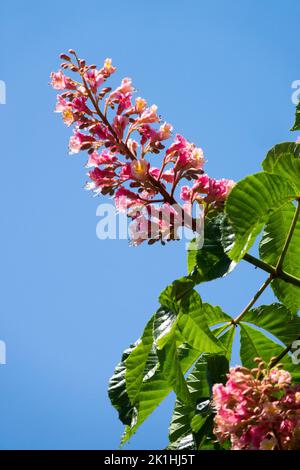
[289,237]
[253,300]
[278,358]
[259,264]
[272,270]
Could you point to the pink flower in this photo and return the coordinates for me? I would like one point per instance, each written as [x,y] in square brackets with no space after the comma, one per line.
[140,105]
[121,137]
[168,175]
[154,223]
[74,144]
[119,125]
[147,133]
[78,140]
[179,144]
[148,116]
[280,377]
[105,158]
[79,105]
[220,189]
[139,169]
[257,410]
[107,68]
[216,190]
[95,78]
[189,158]
[65,108]
[100,131]
[101,179]
[185,155]
[125,173]
[125,88]
[154,172]
[197,158]
[139,229]
[125,199]
[202,185]
[164,132]
[132,145]
[60,81]
[61,104]
[185,193]
[122,95]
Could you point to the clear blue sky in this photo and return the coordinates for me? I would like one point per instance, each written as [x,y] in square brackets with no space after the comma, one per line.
[221,72]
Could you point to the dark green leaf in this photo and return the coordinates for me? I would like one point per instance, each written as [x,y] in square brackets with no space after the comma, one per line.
[271,246]
[284,160]
[193,326]
[210,261]
[156,388]
[249,206]
[117,389]
[172,371]
[255,344]
[136,363]
[275,319]
[191,421]
[296,126]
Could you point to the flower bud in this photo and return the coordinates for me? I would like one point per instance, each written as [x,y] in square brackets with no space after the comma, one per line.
[65,57]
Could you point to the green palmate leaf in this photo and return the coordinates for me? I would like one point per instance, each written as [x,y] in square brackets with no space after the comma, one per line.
[255,344]
[172,371]
[249,205]
[192,324]
[117,389]
[164,326]
[217,368]
[296,126]
[171,342]
[198,422]
[185,443]
[275,319]
[206,440]
[156,388]
[217,320]
[172,294]
[191,423]
[227,234]
[210,261]
[180,426]
[284,160]
[215,315]
[150,378]
[271,246]
[226,338]
[137,361]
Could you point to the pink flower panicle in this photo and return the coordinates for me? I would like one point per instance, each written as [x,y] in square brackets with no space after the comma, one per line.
[258,409]
[120,134]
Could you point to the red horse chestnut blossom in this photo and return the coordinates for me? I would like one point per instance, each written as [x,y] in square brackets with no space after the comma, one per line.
[258,409]
[123,137]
